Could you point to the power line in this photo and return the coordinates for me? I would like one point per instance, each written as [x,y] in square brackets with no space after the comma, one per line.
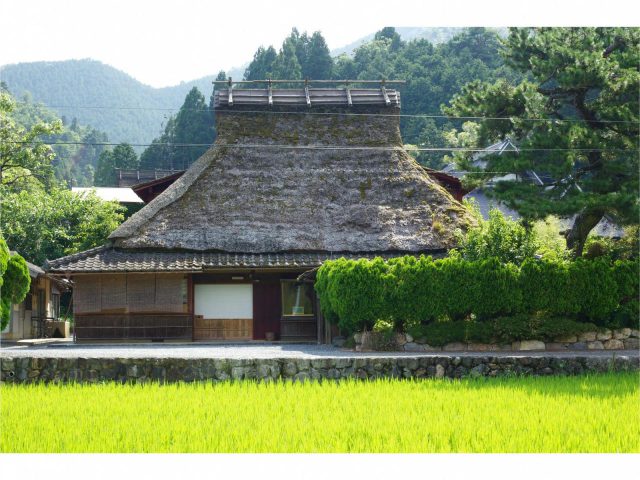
[320,147]
[351,114]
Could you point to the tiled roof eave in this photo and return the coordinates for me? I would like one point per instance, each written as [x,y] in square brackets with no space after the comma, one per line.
[111,260]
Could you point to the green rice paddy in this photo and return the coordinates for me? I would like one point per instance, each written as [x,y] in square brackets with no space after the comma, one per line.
[598,413]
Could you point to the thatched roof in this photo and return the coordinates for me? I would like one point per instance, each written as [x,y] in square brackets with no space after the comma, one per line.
[275,182]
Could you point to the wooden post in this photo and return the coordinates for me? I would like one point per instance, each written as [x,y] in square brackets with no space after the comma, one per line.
[384,93]
[230,93]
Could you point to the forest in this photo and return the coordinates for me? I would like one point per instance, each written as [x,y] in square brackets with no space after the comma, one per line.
[434,72]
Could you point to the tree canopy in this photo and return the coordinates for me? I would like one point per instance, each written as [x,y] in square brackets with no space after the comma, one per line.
[123,156]
[575,118]
[186,136]
[22,151]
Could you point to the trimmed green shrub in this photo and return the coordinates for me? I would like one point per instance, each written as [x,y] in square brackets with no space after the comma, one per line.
[495,288]
[529,327]
[627,276]
[438,334]
[547,287]
[411,291]
[594,284]
[356,291]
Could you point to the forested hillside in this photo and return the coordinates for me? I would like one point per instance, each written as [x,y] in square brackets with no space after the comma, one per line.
[128,111]
[101,96]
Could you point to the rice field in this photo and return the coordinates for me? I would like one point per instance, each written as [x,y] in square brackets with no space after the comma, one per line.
[598,413]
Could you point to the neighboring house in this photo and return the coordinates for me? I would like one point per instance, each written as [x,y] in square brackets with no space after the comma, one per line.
[293,180]
[607,227]
[129,178]
[149,190]
[39,310]
[125,196]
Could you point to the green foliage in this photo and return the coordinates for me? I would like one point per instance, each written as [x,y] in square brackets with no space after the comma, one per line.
[409,292]
[123,156]
[50,225]
[627,278]
[625,248]
[73,160]
[185,138]
[568,76]
[550,244]
[531,327]
[22,153]
[498,237]
[15,286]
[356,292]
[549,287]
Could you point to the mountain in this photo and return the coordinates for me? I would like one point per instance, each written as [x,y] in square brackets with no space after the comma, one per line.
[102,96]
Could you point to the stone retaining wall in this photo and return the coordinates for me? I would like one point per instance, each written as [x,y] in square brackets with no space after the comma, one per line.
[140,370]
[622,339]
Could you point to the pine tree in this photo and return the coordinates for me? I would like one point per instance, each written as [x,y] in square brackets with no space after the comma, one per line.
[583,83]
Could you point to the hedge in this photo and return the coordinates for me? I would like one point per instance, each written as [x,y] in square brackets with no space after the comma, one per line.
[411,291]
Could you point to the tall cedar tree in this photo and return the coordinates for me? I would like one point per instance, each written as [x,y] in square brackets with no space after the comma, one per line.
[586,81]
[185,138]
[123,156]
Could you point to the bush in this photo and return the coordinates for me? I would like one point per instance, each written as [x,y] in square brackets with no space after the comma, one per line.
[529,327]
[594,284]
[355,292]
[412,291]
[627,278]
[438,334]
[547,287]
[498,237]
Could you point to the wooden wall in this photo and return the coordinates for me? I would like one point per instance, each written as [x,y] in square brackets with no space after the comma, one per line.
[131,293]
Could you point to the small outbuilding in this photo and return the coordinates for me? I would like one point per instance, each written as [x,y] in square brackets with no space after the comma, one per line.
[39,313]
[296,177]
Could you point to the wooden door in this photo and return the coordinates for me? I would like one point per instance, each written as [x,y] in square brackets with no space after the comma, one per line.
[266,308]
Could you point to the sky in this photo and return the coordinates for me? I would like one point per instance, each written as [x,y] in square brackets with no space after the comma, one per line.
[164,42]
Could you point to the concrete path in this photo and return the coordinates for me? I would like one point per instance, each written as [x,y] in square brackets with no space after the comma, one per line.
[257,351]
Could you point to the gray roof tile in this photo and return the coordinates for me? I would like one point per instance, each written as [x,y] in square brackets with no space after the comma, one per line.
[108,259]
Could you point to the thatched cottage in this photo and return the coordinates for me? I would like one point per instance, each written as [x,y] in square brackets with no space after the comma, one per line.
[296,177]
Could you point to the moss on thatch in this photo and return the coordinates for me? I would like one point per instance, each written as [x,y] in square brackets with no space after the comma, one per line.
[270,199]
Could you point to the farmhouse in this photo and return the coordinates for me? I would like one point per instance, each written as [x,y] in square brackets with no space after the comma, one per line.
[295,177]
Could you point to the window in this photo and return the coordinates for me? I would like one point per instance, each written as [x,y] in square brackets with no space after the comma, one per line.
[55,304]
[297,298]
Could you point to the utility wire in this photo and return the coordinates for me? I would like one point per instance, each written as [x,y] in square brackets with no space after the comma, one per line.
[321,147]
[347,114]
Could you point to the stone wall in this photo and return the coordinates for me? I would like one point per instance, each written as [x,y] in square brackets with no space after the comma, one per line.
[140,370]
[622,339]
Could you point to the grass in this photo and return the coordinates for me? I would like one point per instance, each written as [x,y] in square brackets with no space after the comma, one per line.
[597,413]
